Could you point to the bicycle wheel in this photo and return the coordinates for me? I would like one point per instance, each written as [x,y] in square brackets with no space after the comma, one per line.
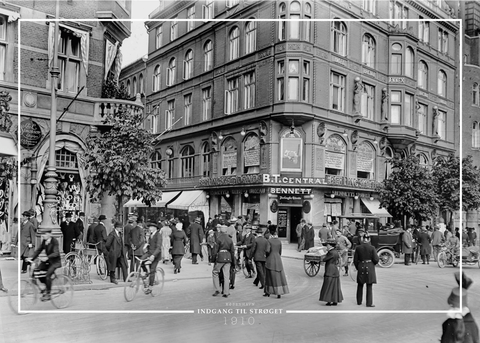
[157,287]
[73,265]
[442,259]
[352,271]
[102,267]
[131,289]
[62,291]
[28,296]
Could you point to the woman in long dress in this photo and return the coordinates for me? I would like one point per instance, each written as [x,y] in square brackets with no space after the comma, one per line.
[331,291]
[275,281]
[178,240]
[165,233]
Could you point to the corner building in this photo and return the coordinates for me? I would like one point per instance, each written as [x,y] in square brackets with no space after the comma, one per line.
[283,120]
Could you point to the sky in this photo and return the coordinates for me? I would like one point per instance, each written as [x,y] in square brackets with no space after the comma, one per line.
[136,46]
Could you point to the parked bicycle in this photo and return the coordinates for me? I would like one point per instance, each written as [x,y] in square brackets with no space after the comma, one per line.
[447,256]
[25,294]
[140,279]
[77,263]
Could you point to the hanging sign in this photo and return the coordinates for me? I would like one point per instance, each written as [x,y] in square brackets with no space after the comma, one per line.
[30,134]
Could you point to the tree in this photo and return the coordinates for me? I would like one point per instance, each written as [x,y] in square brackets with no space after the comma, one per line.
[118,161]
[409,190]
[470,184]
[446,173]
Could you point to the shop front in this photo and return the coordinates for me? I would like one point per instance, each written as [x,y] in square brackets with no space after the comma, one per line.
[154,213]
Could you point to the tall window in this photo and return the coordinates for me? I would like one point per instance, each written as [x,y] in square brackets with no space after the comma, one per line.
[208,55]
[370,6]
[294,23]
[423,75]
[398,11]
[335,153]
[135,87]
[174,29]
[368,101]
[206,103]
[281,80]
[409,62]
[188,109]
[424,31]
[443,41]
[307,26]
[282,24]
[408,110]
[368,51]
[475,135]
[442,119]
[158,36]
[396,62]
[156,78]
[129,88]
[339,38]
[188,65]
[190,16]
[234,43]
[475,95]
[140,84]
[155,117]
[251,37]
[69,58]
[229,157]
[205,160]
[396,107]
[442,83]
[249,93]
[231,96]
[187,157]
[156,160]
[422,118]
[365,161]
[3,46]
[169,114]
[208,10]
[337,91]
[293,79]
[171,71]
[306,81]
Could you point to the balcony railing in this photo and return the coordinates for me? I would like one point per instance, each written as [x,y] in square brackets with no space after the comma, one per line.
[105,107]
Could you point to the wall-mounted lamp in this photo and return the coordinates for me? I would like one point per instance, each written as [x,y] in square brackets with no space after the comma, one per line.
[332,196]
[375,140]
[243,133]
[169,152]
[227,195]
[220,136]
[345,134]
[371,197]
[207,196]
[245,195]
[356,196]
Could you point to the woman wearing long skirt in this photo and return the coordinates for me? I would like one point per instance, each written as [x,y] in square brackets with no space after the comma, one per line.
[166,233]
[179,239]
[275,281]
[331,291]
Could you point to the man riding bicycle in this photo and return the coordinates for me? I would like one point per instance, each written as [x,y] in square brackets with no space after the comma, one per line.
[47,268]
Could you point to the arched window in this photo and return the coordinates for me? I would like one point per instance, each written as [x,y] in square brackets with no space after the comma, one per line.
[368,51]
[205,159]
[365,161]
[388,157]
[475,94]
[171,72]
[234,43]
[156,78]
[396,60]
[156,160]
[422,75]
[251,154]
[282,7]
[188,65]
[135,89]
[250,37]
[475,135]
[308,8]
[409,62]
[229,157]
[339,38]
[423,160]
[129,88]
[208,55]
[335,155]
[294,23]
[140,81]
[442,83]
[187,157]
[65,159]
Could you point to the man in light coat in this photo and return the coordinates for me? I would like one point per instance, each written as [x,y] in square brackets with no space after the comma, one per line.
[437,240]
[407,245]
[298,230]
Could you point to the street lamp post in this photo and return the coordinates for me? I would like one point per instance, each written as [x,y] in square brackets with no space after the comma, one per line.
[49,220]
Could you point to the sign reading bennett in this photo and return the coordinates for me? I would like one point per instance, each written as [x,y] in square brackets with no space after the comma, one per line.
[30,134]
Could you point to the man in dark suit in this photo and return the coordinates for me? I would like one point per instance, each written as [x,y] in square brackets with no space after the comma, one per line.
[137,240]
[69,231]
[80,225]
[116,253]
[259,255]
[224,251]
[131,223]
[365,259]
[27,239]
[90,229]
[50,245]
[153,253]
[100,234]
[195,234]
[247,244]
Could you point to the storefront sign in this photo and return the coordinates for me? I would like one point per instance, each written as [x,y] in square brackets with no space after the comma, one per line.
[30,134]
[290,199]
[327,180]
[334,160]
[290,191]
[251,151]
[365,158]
[231,180]
[291,149]
[351,194]
[274,206]
[238,191]
[229,160]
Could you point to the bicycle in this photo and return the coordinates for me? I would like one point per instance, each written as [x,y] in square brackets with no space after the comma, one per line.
[138,277]
[61,293]
[241,264]
[447,256]
[78,263]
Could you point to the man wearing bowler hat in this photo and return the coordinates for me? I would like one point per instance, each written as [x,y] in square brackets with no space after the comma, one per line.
[27,239]
[69,231]
[100,234]
[195,234]
[116,253]
[259,255]
[153,253]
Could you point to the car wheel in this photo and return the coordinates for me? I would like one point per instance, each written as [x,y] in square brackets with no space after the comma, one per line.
[386,258]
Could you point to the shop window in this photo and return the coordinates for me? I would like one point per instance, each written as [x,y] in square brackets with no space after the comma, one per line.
[156,160]
[339,38]
[335,154]
[409,62]
[229,157]
[422,75]
[368,51]
[187,157]
[251,154]
[205,160]
[250,37]
[365,161]
[208,55]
